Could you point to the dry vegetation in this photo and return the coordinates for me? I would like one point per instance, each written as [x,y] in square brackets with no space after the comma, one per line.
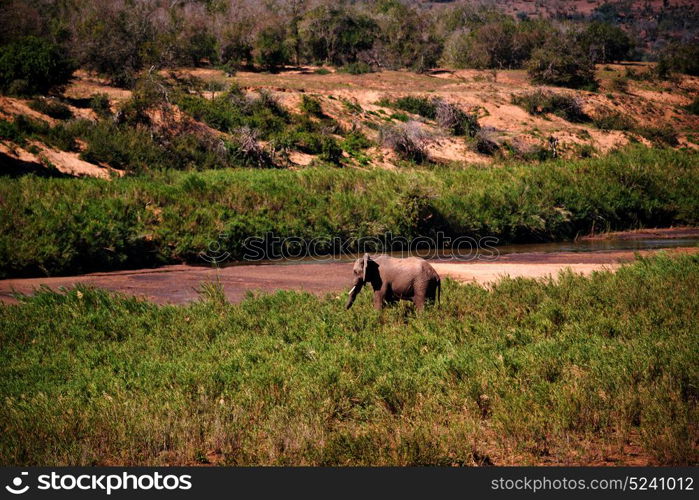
[355,103]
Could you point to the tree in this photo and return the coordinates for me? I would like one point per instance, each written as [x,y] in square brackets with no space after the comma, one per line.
[561,61]
[270,51]
[33,65]
[605,42]
[336,36]
[116,43]
[406,38]
[680,57]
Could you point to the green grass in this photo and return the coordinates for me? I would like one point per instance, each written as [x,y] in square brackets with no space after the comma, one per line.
[54,226]
[526,372]
[422,106]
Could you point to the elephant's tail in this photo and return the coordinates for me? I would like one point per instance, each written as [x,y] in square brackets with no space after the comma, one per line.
[439,291]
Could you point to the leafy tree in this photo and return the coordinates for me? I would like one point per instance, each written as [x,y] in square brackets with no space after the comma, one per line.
[201,46]
[116,43]
[562,61]
[406,38]
[679,57]
[32,65]
[336,36]
[605,42]
[496,44]
[270,51]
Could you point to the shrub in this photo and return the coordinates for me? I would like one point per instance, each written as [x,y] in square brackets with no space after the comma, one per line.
[330,150]
[357,68]
[620,84]
[232,110]
[201,46]
[21,128]
[51,107]
[454,119]
[679,57]
[116,42]
[613,120]
[421,106]
[401,117]
[270,51]
[542,101]
[248,150]
[660,136]
[605,42]
[311,105]
[693,107]
[99,103]
[485,142]
[33,65]
[406,139]
[562,62]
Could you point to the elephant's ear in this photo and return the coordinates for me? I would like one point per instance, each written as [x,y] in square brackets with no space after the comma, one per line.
[365,265]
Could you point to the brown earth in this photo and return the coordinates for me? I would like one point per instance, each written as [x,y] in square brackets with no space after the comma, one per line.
[488,94]
[352,100]
[178,284]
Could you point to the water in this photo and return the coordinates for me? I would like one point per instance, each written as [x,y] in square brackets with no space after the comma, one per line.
[687,238]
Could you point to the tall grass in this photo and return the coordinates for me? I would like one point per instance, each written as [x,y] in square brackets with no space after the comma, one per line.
[52,226]
[528,372]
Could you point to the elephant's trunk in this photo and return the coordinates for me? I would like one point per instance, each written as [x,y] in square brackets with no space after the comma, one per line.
[353,293]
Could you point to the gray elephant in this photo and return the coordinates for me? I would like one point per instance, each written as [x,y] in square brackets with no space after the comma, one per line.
[395,279]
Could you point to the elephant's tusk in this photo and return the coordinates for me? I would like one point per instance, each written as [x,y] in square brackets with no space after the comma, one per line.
[350,292]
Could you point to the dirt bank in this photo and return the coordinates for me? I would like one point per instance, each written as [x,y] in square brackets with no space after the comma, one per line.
[178,284]
[668,233]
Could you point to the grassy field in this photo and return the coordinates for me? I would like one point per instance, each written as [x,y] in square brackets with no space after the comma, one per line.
[570,371]
[61,226]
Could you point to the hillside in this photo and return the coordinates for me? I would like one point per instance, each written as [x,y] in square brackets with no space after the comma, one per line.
[638,110]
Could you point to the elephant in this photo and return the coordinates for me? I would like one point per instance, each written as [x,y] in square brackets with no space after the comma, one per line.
[394,279]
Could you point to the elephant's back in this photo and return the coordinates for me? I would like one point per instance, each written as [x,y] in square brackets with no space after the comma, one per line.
[411,264]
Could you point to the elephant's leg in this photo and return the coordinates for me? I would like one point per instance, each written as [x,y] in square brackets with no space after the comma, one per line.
[379,296]
[419,301]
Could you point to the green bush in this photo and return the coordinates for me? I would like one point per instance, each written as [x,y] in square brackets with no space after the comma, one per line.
[422,106]
[515,203]
[614,120]
[270,51]
[330,150]
[679,57]
[693,107]
[51,107]
[99,103]
[605,42]
[542,101]
[311,105]
[33,65]
[232,110]
[357,68]
[561,61]
[659,136]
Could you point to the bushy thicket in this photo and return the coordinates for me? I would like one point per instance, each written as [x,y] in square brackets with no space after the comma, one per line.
[59,226]
[148,133]
[541,102]
[119,39]
[31,65]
